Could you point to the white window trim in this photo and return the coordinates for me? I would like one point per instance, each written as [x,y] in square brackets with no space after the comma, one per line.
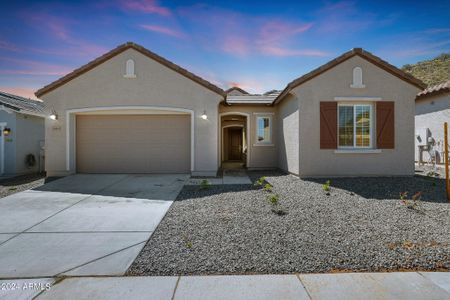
[354,148]
[357,151]
[264,143]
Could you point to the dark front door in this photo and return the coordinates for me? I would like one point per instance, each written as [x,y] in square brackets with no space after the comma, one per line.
[235,144]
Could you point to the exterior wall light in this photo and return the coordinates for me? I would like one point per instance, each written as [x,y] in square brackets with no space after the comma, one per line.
[53,116]
[6,131]
[204,116]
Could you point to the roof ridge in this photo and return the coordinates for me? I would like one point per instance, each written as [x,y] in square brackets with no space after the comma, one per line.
[343,57]
[119,49]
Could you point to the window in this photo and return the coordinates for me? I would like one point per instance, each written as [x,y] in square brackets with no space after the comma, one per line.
[357,79]
[263,128]
[355,126]
[129,69]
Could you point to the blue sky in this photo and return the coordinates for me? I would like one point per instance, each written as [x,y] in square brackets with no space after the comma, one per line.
[257,45]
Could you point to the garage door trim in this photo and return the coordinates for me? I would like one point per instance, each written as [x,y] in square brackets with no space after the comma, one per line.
[71,129]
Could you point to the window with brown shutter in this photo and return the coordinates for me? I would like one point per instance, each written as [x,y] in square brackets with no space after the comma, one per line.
[328,125]
[385,125]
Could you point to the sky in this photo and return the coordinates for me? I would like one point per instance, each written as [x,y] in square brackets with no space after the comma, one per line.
[256,45]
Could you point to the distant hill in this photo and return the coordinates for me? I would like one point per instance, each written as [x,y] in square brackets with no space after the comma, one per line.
[433,71]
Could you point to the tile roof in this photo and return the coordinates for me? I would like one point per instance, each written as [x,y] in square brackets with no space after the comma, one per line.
[119,50]
[347,55]
[434,90]
[266,98]
[21,104]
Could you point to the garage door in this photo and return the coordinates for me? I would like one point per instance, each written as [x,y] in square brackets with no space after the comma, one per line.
[133,143]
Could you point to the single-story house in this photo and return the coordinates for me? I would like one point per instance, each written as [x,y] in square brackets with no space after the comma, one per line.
[22,130]
[432,111]
[132,111]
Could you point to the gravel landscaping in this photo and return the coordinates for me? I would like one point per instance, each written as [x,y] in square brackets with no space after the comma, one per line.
[362,225]
[21,183]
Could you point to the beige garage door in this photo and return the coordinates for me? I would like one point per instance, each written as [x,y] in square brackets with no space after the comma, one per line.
[133,143]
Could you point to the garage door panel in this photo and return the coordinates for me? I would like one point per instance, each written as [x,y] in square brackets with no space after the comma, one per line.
[133,143]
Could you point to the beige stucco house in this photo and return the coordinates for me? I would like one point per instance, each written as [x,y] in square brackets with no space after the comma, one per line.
[132,111]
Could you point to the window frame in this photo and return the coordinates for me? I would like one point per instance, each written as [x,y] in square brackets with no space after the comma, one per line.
[265,142]
[371,126]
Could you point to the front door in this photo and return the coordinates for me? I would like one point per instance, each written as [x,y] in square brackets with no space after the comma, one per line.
[235,144]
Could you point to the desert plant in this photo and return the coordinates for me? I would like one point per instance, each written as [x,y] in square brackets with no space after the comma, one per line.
[268,187]
[187,242]
[273,199]
[414,203]
[274,202]
[260,181]
[205,184]
[326,187]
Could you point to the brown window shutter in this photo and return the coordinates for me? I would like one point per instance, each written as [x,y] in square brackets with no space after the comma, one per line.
[385,125]
[328,125]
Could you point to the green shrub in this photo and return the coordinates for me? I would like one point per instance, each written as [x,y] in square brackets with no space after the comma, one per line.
[268,187]
[260,181]
[326,186]
[205,184]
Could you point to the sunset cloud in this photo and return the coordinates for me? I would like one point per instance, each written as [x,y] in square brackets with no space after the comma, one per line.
[163,30]
[20,91]
[146,6]
[14,66]
[278,51]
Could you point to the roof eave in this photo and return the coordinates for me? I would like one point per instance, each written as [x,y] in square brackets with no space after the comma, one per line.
[121,48]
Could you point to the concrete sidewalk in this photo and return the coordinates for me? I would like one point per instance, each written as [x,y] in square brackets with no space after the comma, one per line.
[405,285]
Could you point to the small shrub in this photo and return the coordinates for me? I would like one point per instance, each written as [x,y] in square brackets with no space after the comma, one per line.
[326,187]
[273,199]
[187,242]
[205,184]
[260,181]
[414,203]
[268,187]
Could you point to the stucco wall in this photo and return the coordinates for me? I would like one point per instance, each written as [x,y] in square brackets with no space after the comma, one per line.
[30,132]
[336,83]
[261,157]
[9,142]
[288,134]
[155,85]
[431,113]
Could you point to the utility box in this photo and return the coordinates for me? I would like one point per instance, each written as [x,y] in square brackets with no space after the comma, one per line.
[422,135]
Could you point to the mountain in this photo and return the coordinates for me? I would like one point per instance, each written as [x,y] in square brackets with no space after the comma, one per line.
[433,71]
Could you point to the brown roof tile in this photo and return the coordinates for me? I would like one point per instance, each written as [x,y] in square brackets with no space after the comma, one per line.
[119,50]
[435,90]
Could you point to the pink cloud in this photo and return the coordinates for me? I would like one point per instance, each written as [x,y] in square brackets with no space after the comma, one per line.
[163,30]
[236,45]
[274,31]
[20,91]
[278,51]
[146,6]
[9,46]
[29,67]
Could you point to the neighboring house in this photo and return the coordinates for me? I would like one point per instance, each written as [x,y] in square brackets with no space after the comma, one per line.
[432,111]
[132,111]
[22,123]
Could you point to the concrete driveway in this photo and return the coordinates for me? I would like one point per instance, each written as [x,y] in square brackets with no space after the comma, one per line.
[82,224]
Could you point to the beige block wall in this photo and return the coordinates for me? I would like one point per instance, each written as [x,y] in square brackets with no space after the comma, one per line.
[288,134]
[336,82]
[261,157]
[155,85]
